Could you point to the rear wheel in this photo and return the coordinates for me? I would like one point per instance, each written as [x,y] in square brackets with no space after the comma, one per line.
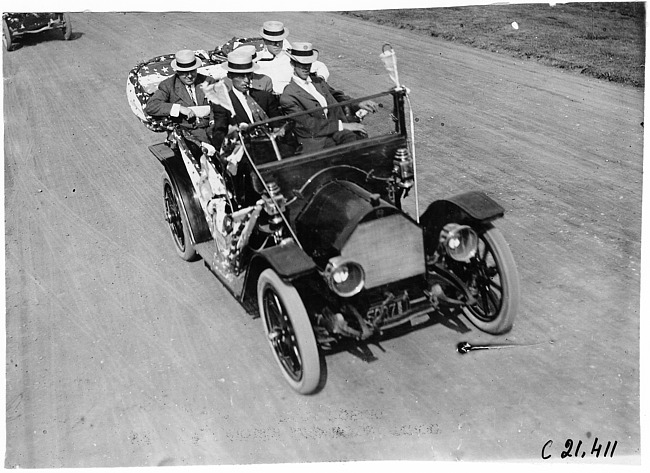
[289,332]
[495,285]
[67,32]
[6,36]
[177,221]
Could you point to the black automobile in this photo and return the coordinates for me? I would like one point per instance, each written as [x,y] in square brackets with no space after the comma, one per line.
[321,242]
[17,25]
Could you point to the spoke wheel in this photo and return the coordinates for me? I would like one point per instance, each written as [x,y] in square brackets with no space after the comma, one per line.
[67,32]
[289,332]
[495,285]
[177,221]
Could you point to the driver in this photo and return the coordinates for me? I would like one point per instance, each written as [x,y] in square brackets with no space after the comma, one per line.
[321,128]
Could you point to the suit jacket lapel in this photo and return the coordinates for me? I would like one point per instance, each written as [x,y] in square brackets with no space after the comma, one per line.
[313,103]
[240,112]
[182,92]
[325,92]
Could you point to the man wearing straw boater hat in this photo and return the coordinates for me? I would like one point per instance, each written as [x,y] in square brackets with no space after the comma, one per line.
[323,127]
[247,104]
[258,81]
[273,59]
[181,96]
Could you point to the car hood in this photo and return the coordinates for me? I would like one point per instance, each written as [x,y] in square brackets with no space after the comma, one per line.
[343,219]
[335,210]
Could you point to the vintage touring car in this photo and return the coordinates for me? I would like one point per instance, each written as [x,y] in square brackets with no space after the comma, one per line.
[320,244]
[17,25]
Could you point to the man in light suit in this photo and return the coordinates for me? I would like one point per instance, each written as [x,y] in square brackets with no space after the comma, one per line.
[274,61]
[325,127]
[181,97]
[248,104]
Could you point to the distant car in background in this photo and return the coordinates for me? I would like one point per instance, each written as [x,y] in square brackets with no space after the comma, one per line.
[16,25]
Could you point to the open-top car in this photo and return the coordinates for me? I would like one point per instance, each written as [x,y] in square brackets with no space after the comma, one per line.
[320,244]
[17,25]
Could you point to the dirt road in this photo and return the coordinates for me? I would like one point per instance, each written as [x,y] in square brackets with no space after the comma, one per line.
[121,354]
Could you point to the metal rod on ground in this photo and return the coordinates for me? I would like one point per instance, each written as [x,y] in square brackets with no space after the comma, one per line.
[466,347]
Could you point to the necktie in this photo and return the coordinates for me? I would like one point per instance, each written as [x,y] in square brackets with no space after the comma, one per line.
[256,110]
[190,89]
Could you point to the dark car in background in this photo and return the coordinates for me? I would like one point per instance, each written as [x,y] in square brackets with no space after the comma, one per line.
[17,25]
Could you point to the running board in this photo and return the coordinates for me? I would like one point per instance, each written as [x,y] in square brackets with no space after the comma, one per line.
[217,263]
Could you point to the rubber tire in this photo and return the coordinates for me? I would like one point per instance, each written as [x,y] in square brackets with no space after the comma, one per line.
[505,262]
[302,330]
[6,36]
[67,32]
[186,251]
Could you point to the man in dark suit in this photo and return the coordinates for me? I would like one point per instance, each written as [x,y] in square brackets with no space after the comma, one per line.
[324,127]
[181,96]
[247,105]
[258,81]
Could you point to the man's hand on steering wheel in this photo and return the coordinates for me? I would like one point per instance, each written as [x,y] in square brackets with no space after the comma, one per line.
[369,105]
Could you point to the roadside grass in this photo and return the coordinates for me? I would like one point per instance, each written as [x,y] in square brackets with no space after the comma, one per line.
[602,40]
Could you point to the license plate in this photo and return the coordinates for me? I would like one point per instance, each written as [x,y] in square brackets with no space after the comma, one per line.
[390,310]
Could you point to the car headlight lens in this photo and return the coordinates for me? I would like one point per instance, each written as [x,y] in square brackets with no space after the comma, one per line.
[344,277]
[341,275]
[460,241]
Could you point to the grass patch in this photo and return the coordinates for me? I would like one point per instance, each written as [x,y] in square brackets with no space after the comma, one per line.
[602,40]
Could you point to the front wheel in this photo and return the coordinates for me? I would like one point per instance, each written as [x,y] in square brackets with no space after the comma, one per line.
[6,36]
[495,284]
[289,332]
[67,32]
[177,221]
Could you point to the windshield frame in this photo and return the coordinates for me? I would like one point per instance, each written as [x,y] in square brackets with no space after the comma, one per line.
[397,113]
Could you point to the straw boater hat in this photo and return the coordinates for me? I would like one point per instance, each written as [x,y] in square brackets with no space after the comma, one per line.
[240,62]
[185,60]
[303,53]
[249,49]
[274,31]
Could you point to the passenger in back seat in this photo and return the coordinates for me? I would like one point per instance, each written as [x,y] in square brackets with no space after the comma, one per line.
[181,98]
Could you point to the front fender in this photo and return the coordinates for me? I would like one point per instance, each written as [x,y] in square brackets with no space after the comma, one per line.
[288,260]
[470,208]
[190,205]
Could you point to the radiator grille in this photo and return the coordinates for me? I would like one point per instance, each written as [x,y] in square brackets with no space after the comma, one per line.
[389,249]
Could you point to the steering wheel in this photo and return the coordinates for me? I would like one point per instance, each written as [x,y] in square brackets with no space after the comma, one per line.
[272,139]
[263,135]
